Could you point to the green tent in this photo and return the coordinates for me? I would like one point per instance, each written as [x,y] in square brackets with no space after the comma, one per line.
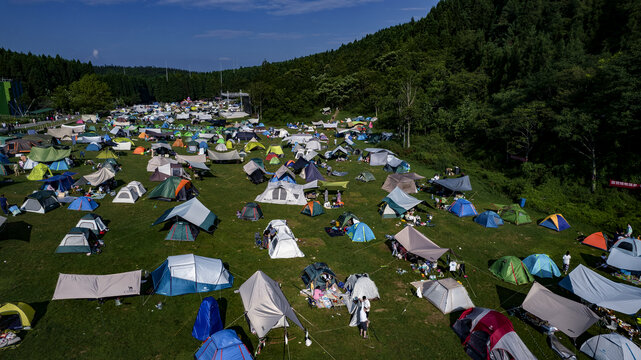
[274,161]
[173,188]
[39,172]
[182,231]
[365,176]
[512,270]
[313,208]
[106,154]
[345,217]
[48,154]
[514,214]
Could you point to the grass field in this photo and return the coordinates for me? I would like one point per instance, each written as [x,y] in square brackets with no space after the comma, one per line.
[403,326]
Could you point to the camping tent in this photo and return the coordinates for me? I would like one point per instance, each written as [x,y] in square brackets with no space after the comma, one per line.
[345,217]
[365,176]
[93,147]
[96,178]
[208,320]
[626,254]
[75,286]
[455,184]
[192,211]
[360,232]
[313,208]
[48,154]
[62,182]
[230,156]
[418,244]
[77,240]
[406,182]
[446,294]
[173,188]
[182,231]
[542,266]
[512,270]
[283,174]
[283,244]
[130,193]
[265,305]
[571,317]
[157,161]
[223,345]
[462,207]
[251,211]
[318,274]
[83,203]
[397,203]
[282,192]
[140,150]
[106,154]
[514,214]
[555,222]
[603,292]
[60,165]
[92,222]
[40,202]
[22,312]
[359,285]
[489,219]
[311,173]
[488,334]
[253,145]
[611,347]
[274,149]
[39,172]
[186,274]
[597,240]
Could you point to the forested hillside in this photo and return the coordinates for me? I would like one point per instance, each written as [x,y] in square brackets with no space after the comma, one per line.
[555,84]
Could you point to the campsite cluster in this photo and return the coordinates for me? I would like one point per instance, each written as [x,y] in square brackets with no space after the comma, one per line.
[303,166]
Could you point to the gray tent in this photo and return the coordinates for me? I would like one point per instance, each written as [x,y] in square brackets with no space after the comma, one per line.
[378,159]
[570,317]
[96,178]
[455,184]
[626,254]
[365,176]
[405,182]
[265,305]
[418,244]
[398,203]
[224,156]
[73,286]
[446,294]
[252,166]
[184,159]
[611,347]
[598,290]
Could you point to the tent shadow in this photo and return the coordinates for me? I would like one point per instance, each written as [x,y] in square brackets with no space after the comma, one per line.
[243,337]
[222,309]
[509,298]
[16,230]
[454,316]
[590,260]
[41,310]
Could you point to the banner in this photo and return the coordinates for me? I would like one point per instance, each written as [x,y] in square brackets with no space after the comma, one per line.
[623,184]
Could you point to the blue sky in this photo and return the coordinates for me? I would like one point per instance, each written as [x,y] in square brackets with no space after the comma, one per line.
[199,35]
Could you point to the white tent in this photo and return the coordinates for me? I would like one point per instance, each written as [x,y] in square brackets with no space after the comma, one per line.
[221,147]
[360,285]
[626,254]
[122,146]
[29,164]
[283,245]
[611,347]
[282,192]
[73,286]
[446,294]
[130,193]
[92,222]
[96,178]
[157,161]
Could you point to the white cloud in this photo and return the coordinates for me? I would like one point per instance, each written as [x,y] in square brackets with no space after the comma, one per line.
[95,53]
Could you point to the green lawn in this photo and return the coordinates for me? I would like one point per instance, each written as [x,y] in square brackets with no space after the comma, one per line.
[404,327]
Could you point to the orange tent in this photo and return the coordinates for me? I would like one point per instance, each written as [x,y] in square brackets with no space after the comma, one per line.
[143,136]
[178,143]
[183,184]
[139,150]
[597,240]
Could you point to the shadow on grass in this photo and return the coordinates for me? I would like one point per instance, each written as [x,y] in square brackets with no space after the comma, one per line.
[41,310]
[591,260]
[222,309]
[243,337]
[16,230]
[509,298]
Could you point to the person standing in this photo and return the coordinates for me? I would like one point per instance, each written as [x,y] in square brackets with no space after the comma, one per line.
[452,265]
[4,204]
[366,306]
[362,320]
[566,262]
[628,232]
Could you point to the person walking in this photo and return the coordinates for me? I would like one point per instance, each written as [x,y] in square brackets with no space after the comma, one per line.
[566,262]
[4,204]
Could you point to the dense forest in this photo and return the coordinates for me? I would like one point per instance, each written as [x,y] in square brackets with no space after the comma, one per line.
[547,86]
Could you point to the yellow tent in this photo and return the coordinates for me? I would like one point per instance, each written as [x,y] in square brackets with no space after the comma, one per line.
[229,144]
[252,145]
[276,149]
[39,172]
[123,139]
[24,311]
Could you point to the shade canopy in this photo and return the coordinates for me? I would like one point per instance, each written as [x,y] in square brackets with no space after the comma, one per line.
[74,286]
[418,244]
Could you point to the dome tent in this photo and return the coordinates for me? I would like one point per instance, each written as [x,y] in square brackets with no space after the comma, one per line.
[555,222]
[92,222]
[542,266]
[313,208]
[187,274]
[462,207]
[360,232]
[223,345]
[512,270]
[446,294]
[23,313]
[489,219]
[208,319]
[78,240]
[597,240]
[251,211]
[83,203]
[360,285]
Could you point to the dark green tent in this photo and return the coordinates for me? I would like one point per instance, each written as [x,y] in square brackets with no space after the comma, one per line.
[365,176]
[316,274]
[514,214]
[182,231]
[345,217]
[251,211]
[313,208]
[512,270]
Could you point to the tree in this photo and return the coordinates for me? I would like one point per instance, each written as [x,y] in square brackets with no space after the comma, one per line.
[89,95]
[581,130]
[61,98]
[406,109]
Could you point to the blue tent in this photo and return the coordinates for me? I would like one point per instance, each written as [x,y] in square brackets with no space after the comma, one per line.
[62,182]
[207,320]
[59,165]
[360,232]
[555,222]
[93,147]
[489,219]
[83,203]
[542,266]
[106,137]
[4,159]
[203,145]
[462,207]
[189,273]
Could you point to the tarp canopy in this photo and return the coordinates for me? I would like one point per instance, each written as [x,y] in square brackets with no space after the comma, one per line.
[418,244]
[455,184]
[400,201]
[184,159]
[571,317]
[48,154]
[192,211]
[74,286]
[96,178]
[265,304]
[406,182]
[598,290]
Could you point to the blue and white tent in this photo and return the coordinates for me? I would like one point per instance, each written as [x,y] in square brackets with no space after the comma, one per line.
[83,203]
[360,232]
[208,319]
[93,147]
[542,266]
[489,219]
[187,274]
